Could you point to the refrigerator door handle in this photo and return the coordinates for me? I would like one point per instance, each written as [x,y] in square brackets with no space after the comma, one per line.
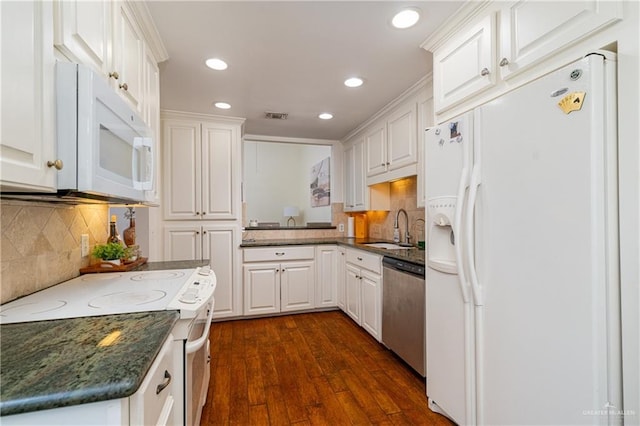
[469,243]
[462,188]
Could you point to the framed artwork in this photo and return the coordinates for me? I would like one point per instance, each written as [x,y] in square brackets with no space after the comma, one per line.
[320,181]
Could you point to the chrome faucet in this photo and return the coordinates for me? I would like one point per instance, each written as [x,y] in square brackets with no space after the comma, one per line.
[406,222]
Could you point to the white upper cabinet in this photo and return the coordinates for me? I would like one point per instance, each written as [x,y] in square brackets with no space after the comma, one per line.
[391,145]
[27,133]
[530,30]
[128,57]
[201,170]
[478,53]
[464,65]
[83,32]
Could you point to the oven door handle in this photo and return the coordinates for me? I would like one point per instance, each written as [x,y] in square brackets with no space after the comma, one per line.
[195,346]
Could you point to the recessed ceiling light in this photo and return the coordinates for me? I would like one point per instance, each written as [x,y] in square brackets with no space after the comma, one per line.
[222,105]
[216,64]
[325,116]
[405,18]
[353,82]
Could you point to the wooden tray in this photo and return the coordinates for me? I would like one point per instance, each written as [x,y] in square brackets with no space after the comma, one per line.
[110,267]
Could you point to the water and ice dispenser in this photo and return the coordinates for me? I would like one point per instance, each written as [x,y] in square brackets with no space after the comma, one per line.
[442,234]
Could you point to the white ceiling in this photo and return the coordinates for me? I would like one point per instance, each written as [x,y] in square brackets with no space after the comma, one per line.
[292,56]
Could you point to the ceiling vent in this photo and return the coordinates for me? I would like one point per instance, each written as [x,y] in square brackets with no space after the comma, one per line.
[276,115]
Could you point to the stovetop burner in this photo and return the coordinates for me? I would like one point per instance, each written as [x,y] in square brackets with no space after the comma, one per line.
[126,299]
[157,276]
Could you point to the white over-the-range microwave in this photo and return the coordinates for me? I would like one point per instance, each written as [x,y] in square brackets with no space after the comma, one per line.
[106,149]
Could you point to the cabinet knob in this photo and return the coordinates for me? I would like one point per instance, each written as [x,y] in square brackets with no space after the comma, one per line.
[279,253]
[504,62]
[382,164]
[388,164]
[114,75]
[204,232]
[359,258]
[197,232]
[124,86]
[203,213]
[57,164]
[197,213]
[484,72]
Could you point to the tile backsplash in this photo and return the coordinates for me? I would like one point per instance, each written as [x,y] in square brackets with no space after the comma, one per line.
[41,243]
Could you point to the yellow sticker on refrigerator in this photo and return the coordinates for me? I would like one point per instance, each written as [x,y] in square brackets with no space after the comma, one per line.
[572,102]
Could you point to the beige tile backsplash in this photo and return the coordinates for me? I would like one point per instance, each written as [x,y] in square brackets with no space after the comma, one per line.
[41,244]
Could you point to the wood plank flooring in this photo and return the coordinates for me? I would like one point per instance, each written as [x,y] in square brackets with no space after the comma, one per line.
[309,369]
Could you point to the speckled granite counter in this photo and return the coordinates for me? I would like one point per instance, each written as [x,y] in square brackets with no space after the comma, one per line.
[50,364]
[179,264]
[413,255]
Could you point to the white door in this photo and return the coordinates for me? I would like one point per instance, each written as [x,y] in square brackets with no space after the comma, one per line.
[376,149]
[220,161]
[220,245]
[27,131]
[371,302]
[349,178]
[182,242]
[181,169]
[360,187]
[546,254]
[128,55]
[342,270]
[297,285]
[327,259]
[352,292]
[402,144]
[261,288]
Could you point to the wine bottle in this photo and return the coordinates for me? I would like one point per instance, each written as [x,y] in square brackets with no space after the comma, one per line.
[113,233]
[129,234]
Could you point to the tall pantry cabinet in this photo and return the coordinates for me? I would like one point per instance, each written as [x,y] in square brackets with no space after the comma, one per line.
[202,209]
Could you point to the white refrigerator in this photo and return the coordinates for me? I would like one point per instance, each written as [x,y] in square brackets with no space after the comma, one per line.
[523,305]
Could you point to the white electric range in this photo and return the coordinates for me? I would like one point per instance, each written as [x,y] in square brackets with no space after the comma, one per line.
[189,291]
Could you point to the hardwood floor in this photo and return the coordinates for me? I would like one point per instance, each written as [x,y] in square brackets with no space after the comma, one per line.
[309,369]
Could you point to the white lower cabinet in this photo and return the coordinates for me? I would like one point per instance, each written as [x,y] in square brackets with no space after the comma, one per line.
[328,274]
[363,290]
[152,404]
[218,243]
[342,271]
[278,279]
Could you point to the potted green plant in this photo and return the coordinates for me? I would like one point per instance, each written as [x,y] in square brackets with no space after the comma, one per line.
[110,252]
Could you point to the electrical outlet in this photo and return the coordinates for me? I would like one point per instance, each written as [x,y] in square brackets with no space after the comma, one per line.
[341,227]
[84,245]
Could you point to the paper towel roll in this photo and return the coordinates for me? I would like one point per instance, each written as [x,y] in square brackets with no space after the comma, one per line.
[350,227]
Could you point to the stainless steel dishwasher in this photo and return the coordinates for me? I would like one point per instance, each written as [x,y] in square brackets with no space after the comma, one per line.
[403,315]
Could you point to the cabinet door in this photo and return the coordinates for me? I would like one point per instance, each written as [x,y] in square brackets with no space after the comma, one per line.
[371,303]
[297,285]
[402,148]
[128,56]
[220,245]
[376,149]
[529,32]
[349,178]
[182,242]
[360,189]
[151,116]
[82,32]
[27,132]
[464,65]
[342,260]
[425,120]
[327,260]
[181,170]
[261,288]
[220,168]
[352,292]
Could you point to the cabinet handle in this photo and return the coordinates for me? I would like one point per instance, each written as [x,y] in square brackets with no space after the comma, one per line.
[504,62]
[57,164]
[359,258]
[124,86]
[164,384]
[279,253]
[114,75]
[484,72]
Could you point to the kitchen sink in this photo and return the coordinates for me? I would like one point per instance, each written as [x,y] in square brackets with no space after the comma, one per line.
[388,246]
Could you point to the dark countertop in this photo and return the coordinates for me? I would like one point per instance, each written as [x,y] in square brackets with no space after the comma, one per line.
[57,363]
[178,264]
[413,255]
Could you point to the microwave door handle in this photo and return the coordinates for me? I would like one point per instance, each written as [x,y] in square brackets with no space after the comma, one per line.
[139,143]
[195,346]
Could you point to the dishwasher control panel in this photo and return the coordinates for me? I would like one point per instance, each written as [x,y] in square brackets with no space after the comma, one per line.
[404,266]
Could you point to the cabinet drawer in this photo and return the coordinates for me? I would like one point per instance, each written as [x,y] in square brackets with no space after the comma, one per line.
[148,406]
[365,260]
[270,254]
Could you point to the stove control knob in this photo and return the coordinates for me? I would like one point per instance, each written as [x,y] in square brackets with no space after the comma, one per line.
[189,296]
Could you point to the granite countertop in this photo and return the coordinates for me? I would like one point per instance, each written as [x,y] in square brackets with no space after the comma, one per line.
[413,255]
[177,264]
[57,363]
